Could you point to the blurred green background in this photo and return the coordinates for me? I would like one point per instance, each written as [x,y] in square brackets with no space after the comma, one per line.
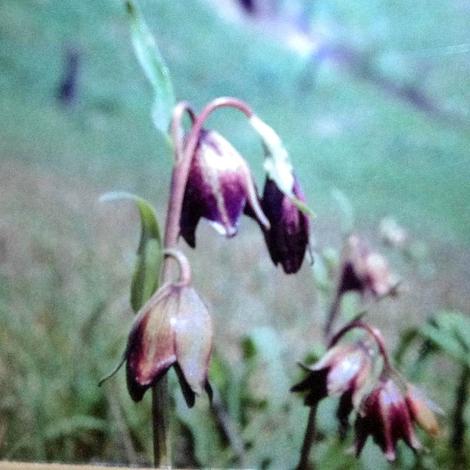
[370,97]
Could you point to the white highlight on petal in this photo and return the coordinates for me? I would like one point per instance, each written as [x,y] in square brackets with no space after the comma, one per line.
[343,372]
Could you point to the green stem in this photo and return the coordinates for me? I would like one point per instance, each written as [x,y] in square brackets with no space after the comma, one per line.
[161,424]
[309,438]
[184,152]
[160,395]
[332,316]
[457,440]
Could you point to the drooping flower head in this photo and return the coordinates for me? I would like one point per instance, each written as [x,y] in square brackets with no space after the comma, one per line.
[172,329]
[342,370]
[365,271]
[386,417]
[218,188]
[288,236]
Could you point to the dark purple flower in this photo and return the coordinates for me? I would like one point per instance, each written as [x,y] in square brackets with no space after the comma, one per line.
[343,371]
[287,237]
[365,271]
[385,415]
[218,188]
[172,328]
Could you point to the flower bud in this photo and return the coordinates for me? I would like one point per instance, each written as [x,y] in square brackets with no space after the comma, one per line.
[422,410]
[287,237]
[172,328]
[218,188]
[365,271]
[386,417]
[342,371]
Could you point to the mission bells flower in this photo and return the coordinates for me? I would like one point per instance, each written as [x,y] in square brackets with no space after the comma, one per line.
[365,271]
[342,371]
[172,329]
[218,188]
[288,236]
[386,416]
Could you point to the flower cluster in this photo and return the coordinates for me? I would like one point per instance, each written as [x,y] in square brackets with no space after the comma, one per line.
[386,406]
[212,181]
[220,188]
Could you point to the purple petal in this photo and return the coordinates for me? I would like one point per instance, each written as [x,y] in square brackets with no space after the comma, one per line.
[217,187]
[287,239]
[193,339]
[150,349]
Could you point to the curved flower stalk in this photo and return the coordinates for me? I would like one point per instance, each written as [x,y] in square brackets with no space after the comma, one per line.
[172,329]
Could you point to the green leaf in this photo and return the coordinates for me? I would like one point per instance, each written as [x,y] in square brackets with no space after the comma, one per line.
[73,425]
[450,332]
[154,67]
[264,347]
[149,253]
[277,163]
[321,274]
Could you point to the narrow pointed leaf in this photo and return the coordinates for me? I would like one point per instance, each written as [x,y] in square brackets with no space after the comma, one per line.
[449,331]
[154,67]
[149,253]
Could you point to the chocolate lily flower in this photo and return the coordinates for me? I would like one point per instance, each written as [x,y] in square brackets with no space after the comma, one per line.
[342,371]
[287,238]
[172,329]
[386,416]
[218,188]
[365,271]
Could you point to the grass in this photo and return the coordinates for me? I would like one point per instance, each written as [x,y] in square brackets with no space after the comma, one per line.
[65,261]
[341,132]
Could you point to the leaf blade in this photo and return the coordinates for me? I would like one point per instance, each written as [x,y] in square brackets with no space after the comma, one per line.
[154,67]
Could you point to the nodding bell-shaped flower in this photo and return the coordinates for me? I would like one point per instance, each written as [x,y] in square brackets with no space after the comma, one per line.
[287,237]
[365,271]
[386,416]
[343,371]
[172,329]
[218,188]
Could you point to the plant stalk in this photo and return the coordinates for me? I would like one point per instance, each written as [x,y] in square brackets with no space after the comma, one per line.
[309,438]
[332,316]
[160,395]
[184,151]
[457,440]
